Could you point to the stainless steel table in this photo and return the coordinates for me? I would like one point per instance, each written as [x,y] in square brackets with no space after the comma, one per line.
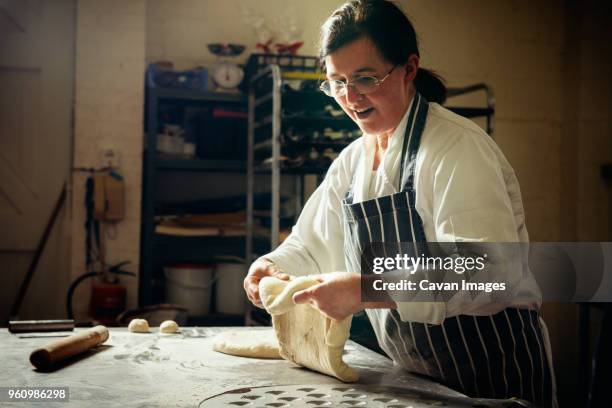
[182,370]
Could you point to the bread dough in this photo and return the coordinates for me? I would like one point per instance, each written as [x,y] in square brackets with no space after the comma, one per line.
[169,327]
[139,326]
[256,343]
[306,336]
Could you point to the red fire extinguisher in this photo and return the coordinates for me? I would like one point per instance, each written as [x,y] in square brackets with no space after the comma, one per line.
[108,300]
[108,295]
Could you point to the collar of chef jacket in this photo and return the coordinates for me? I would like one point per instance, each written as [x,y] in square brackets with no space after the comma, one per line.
[369,184]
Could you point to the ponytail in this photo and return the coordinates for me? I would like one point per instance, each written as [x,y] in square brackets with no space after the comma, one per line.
[430,85]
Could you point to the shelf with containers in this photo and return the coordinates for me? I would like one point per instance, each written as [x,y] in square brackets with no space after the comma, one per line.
[175,183]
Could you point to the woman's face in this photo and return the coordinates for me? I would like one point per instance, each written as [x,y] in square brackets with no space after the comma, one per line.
[380,111]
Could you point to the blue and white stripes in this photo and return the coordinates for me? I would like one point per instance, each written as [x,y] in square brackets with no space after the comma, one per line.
[493,356]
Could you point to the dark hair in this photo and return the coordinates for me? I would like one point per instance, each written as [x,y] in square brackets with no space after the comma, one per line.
[390,30]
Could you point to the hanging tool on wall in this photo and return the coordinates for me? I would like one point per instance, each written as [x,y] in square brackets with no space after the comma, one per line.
[108,196]
[104,205]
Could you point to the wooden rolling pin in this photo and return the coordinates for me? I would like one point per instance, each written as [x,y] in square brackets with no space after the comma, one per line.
[46,357]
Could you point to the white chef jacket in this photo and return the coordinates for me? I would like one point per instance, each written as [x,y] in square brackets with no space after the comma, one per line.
[466,191]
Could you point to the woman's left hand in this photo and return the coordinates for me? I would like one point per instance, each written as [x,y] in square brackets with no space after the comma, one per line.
[337,296]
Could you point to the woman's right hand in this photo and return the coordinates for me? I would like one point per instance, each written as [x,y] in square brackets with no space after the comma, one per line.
[259,269]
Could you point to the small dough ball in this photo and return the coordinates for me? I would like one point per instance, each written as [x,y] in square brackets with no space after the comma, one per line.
[169,326]
[139,326]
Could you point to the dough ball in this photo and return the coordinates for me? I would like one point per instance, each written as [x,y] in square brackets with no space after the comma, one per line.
[139,326]
[169,326]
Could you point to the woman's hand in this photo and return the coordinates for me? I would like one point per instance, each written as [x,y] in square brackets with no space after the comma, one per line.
[259,270]
[337,296]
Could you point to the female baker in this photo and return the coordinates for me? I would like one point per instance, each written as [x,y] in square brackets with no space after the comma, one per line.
[419,173]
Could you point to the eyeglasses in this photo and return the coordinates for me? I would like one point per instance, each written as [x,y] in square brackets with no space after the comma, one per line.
[362,85]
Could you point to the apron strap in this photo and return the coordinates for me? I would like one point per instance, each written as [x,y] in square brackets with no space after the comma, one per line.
[412,140]
[410,146]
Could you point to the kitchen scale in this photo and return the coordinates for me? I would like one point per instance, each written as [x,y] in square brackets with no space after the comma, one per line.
[226,74]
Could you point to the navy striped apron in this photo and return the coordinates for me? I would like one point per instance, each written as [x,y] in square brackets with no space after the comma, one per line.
[497,356]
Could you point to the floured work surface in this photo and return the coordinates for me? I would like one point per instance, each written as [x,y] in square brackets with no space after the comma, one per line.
[149,369]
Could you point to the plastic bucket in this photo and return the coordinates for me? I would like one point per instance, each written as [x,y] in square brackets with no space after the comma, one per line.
[230,273]
[190,286]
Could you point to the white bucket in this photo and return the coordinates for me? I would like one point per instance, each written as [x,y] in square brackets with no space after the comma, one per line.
[230,273]
[189,286]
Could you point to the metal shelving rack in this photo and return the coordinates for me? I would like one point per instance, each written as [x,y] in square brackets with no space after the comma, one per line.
[156,249]
[274,119]
[266,87]
[268,98]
